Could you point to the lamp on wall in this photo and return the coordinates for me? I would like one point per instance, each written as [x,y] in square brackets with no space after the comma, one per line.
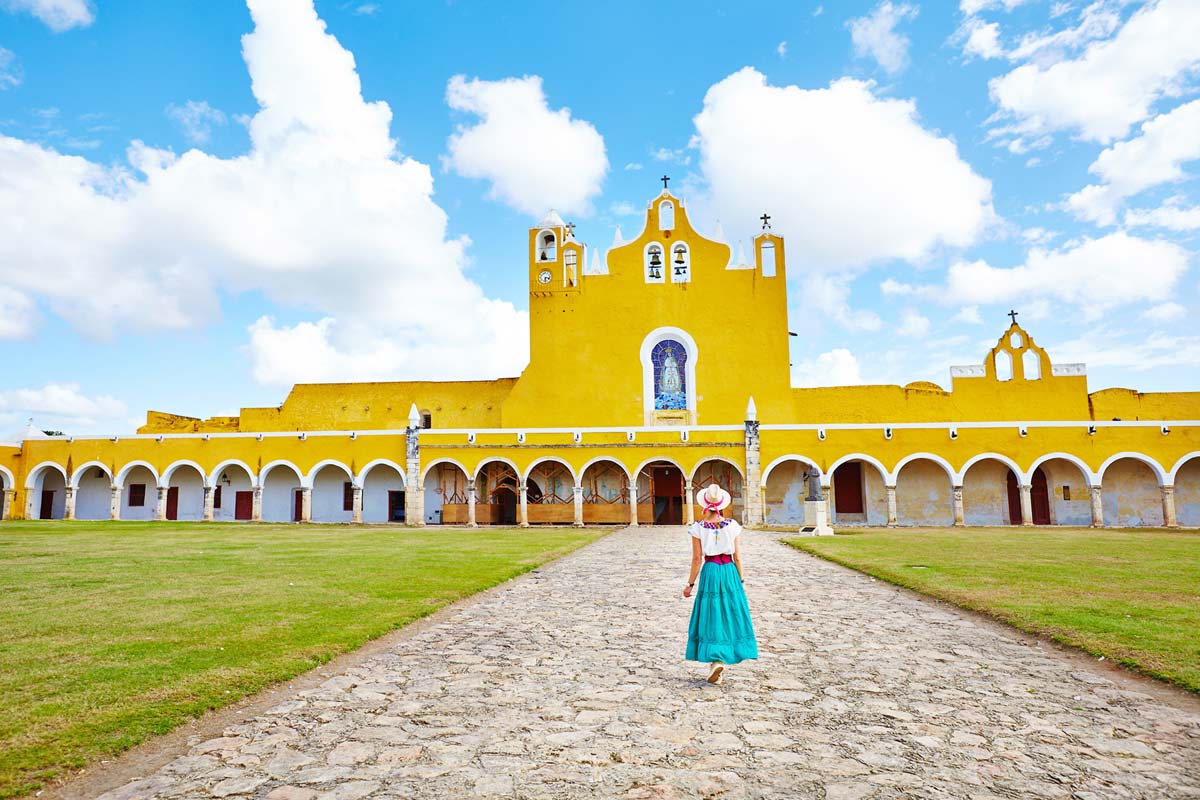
[225,478]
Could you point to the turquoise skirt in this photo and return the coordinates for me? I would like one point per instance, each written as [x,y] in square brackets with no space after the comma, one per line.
[720,629]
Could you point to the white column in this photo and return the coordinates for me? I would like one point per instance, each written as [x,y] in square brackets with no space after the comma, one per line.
[959,511]
[208,505]
[1026,505]
[356,513]
[578,506]
[891,506]
[753,513]
[633,521]
[689,515]
[306,504]
[471,499]
[114,503]
[414,512]
[1097,507]
[69,502]
[160,505]
[6,503]
[523,509]
[256,505]
[1168,504]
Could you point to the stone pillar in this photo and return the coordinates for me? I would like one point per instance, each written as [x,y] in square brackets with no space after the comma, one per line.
[1097,507]
[414,513]
[891,505]
[6,503]
[356,505]
[754,507]
[306,504]
[1026,505]
[578,506]
[471,500]
[633,521]
[256,505]
[689,514]
[208,504]
[69,502]
[523,508]
[960,514]
[114,503]
[1168,504]
[160,505]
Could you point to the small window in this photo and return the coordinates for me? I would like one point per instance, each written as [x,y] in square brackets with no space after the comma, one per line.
[426,419]
[1031,365]
[1015,340]
[1066,492]
[347,496]
[666,215]
[768,259]
[1004,366]
[217,497]
[137,495]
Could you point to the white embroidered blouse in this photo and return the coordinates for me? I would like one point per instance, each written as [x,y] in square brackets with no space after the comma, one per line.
[716,540]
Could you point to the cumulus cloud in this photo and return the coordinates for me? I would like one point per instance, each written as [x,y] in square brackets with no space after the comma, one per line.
[1155,157]
[1171,215]
[1165,312]
[1114,83]
[536,158]
[838,367]
[852,177]
[1129,349]
[61,406]
[975,6]
[16,314]
[980,39]
[321,214]
[913,324]
[10,70]
[59,15]
[875,35]
[830,297]
[196,119]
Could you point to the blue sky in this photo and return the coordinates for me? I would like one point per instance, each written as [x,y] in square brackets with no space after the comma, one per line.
[191,221]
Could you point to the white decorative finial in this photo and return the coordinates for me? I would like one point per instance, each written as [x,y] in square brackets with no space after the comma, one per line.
[719,233]
[741,261]
[597,268]
[617,240]
[751,410]
[414,417]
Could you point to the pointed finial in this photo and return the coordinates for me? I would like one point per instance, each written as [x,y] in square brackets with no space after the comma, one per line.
[719,233]
[617,238]
[414,417]
[751,410]
[596,268]
[741,261]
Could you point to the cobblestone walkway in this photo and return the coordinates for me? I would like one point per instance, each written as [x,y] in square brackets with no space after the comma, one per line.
[570,683]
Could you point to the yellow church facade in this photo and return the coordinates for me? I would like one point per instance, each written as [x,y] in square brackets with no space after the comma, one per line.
[689,384]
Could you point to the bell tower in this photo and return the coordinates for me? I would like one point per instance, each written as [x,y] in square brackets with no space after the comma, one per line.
[555,257]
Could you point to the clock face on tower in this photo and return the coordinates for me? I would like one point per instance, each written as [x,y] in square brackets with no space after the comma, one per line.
[544,276]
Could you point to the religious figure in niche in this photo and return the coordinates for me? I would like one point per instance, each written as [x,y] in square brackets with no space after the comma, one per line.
[670,385]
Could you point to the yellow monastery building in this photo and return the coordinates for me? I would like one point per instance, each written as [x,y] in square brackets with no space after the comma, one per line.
[619,428]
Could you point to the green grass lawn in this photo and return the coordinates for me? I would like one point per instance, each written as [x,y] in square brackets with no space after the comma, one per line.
[111,632]
[1132,596]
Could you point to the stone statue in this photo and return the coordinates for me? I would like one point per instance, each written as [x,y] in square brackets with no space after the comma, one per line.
[814,485]
[672,383]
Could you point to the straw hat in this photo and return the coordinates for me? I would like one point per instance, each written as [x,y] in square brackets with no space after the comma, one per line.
[713,498]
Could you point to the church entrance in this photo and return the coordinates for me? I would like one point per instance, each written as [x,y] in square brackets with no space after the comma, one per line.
[1039,499]
[660,494]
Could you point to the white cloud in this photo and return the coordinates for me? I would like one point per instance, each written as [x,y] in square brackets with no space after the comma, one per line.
[851,177]
[968,315]
[10,70]
[1114,83]
[913,324]
[1165,312]
[1171,215]
[16,314]
[975,6]
[818,11]
[1108,347]
[367,10]
[196,119]
[632,166]
[622,208]
[838,367]
[830,296]
[321,214]
[1096,21]
[1155,157]
[1038,235]
[535,158]
[781,49]
[980,39]
[875,35]
[59,15]
[61,406]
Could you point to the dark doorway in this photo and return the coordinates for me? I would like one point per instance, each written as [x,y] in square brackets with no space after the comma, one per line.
[506,506]
[243,505]
[667,485]
[47,509]
[173,503]
[1040,498]
[396,506]
[1014,500]
[848,488]
[297,505]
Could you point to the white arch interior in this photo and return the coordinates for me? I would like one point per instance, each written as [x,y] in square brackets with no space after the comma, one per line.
[93,492]
[666,216]
[924,492]
[784,489]
[383,493]
[547,246]
[1004,365]
[655,263]
[446,495]
[280,483]
[1131,493]
[689,345]
[170,471]
[497,491]
[857,493]
[139,493]
[332,499]
[1160,474]
[681,263]
[1068,483]
[215,476]
[1187,492]
[122,477]
[185,492]
[47,497]
[7,481]
[233,482]
[1031,365]
[90,469]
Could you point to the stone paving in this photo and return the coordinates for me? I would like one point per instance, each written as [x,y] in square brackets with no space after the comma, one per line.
[570,682]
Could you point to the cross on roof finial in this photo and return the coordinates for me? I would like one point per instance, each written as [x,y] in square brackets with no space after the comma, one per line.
[1013,314]
[570,229]
[766,221]
[664,179]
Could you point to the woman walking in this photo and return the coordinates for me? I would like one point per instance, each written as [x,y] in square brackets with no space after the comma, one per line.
[720,632]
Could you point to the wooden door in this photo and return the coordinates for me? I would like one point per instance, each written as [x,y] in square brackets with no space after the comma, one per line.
[47,509]
[396,506]
[1040,498]
[848,488]
[668,496]
[1014,500]
[173,503]
[506,500]
[243,505]
[297,505]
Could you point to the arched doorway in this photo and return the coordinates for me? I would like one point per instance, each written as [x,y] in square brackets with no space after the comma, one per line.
[1132,497]
[550,494]
[785,487]
[605,493]
[858,493]
[185,493]
[383,495]
[93,492]
[1039,499]
[446,494]
[729,478]
[333,493]
[660,493]
[1068,491]
[924,494]
[1187,493]
[281,494]
[47,493]
[233,494]
[139,493]
[498,494]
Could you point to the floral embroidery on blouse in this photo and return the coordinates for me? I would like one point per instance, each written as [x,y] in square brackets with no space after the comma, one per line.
[713,526]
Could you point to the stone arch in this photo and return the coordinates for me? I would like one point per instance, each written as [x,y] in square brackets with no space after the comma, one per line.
[543,460]
[1130,489]
[446,493]
[280,491]
[137,504]
[498,491]
[215,475]
[1089,477]
[1185,477]
[184,482]
[46,494]
[961,474]
[922,496]
[727,474]
[1069,482]
[7,484]
[171,468]
[384,491]
[550,491]
[1170,475]
[606,495]
[856,496]
[659,489]
[79,472]
[650,411]
[988,481]
[784,489]
[546,246]
[93,493]
[230,481]
[7,481]
[119,480]
[437,462]
[380,462]
[330,501]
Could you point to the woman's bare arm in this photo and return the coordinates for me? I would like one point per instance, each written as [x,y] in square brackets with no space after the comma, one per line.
[697,563]
[737,557]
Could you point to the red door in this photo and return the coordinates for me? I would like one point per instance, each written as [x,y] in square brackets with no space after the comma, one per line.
[668,496]
[243,505]
[297,506]
[47,510]
[396,506]
[848,488]
[1014,500]
[1041,498]
[173,503]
